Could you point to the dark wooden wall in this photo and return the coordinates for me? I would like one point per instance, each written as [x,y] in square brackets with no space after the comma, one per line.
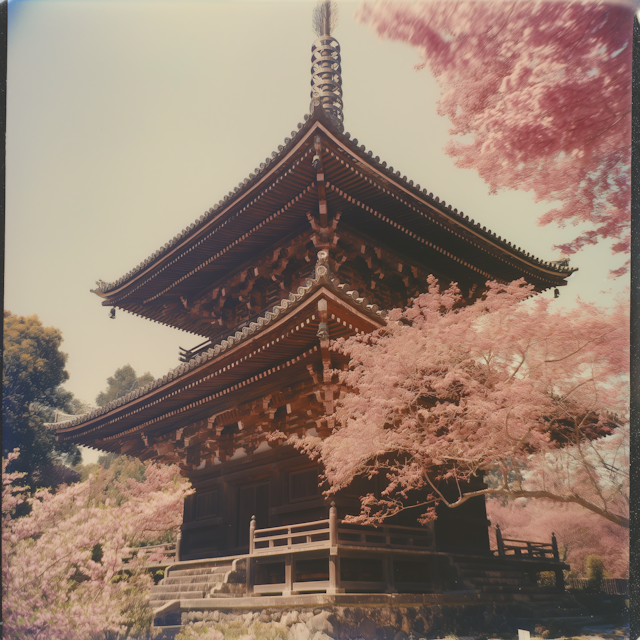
[280,487]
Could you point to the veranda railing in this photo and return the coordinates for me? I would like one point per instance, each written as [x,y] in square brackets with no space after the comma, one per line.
[332,532]
[288,546]
[526,548]
[168,551]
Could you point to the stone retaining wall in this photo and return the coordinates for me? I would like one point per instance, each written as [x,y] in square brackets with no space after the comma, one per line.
[351,623]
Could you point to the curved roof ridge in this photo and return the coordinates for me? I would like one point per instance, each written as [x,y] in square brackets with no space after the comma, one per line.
[104,287]
[560,265]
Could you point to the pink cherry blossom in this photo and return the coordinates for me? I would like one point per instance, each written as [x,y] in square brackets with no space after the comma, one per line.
[62,563]
[539,97]
[513,386]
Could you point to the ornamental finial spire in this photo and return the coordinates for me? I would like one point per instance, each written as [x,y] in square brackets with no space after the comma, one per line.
[326,78]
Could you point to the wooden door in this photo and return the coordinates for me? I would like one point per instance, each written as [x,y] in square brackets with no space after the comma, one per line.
[253,500]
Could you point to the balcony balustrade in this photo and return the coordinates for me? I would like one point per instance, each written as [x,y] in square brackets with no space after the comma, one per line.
[333,556]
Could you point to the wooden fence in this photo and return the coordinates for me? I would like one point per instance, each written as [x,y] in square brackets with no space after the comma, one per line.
[609,586]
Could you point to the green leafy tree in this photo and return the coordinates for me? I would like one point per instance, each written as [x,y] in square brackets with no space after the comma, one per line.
[595,573]
[122,382]
[112,470]
[32,374]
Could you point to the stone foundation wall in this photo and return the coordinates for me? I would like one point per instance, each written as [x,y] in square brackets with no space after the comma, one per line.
[350,622]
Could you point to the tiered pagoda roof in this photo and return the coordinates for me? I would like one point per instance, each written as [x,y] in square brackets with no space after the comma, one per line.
[245,277]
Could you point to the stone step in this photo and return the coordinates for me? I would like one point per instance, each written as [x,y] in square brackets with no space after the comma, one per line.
[211,577]
[182,588]
[159,600]
[237,588]
[183,595]
[156,604]
[188,571]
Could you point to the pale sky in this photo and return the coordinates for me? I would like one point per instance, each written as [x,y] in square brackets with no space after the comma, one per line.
[128,120]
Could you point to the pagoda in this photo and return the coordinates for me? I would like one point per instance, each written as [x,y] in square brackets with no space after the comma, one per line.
[317,243]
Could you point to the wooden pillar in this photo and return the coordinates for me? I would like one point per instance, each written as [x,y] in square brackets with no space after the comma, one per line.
[288,575]
[178,543]
[554,545]
[387,566]
[250,576]
[556,556]
[334,553]
[252,531]
[250,563]
[334,573]
[333,525]
[499,541]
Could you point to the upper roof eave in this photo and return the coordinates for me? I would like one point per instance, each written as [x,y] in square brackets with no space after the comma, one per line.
[449,213]
[317,119]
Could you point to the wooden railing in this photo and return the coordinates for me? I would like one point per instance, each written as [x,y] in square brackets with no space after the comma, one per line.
[332,532]
[307,534]
[527,549]
[385,536]
[289,547]
[169,552]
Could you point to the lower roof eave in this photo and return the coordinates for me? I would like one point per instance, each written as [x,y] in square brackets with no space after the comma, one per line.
[163,400]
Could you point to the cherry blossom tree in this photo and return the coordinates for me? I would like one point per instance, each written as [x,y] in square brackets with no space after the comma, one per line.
[518,389]
[539,97]
[62,564]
